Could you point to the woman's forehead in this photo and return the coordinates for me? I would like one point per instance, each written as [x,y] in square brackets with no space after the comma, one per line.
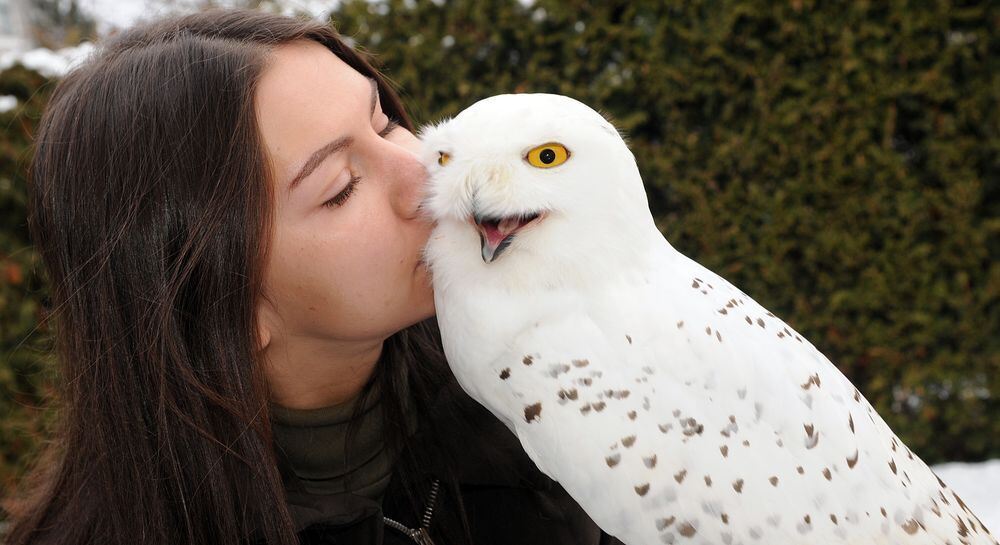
[305,78]
[306,96]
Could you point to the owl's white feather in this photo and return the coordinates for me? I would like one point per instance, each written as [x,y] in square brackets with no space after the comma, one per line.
[667,402]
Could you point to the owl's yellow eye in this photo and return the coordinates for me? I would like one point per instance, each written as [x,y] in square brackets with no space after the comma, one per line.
[548,155]
[443,158]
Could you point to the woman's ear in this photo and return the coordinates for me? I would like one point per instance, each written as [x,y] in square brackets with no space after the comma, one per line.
[265,323]
[264,334]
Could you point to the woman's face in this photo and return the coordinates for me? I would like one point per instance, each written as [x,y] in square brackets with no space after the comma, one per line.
[344,262]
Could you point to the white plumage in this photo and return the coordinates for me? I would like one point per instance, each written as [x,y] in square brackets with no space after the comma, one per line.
[666,401]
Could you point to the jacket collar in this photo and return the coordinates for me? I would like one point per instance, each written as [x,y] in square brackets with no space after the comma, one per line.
[493,458]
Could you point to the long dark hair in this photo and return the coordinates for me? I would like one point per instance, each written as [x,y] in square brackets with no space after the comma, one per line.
[150,203]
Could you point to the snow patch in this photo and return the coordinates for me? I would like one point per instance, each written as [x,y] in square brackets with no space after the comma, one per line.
[119,14]
[978,485]
[7,103]
[51,64]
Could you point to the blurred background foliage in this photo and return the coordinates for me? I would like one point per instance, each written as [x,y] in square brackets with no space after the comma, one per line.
[26,364]
[840,162]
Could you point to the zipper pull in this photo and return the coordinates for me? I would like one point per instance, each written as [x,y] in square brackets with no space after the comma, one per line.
[421,536]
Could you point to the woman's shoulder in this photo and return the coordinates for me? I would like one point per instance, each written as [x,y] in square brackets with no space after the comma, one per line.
[480,449]
[504,496]
[462,477]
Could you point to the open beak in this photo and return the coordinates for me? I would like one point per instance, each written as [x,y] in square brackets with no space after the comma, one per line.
[496,234]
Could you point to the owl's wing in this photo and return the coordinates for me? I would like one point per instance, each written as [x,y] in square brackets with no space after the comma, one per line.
[569,396]
[673,430]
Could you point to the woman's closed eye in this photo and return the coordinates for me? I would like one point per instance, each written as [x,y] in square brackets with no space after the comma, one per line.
[342,197]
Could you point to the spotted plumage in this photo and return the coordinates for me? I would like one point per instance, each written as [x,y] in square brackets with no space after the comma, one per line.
[667,402]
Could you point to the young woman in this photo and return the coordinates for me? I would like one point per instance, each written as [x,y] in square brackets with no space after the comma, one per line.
[227,205]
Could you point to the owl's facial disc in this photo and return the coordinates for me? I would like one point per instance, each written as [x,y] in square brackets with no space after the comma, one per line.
[495,234]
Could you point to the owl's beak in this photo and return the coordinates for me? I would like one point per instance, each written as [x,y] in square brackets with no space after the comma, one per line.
[496,234]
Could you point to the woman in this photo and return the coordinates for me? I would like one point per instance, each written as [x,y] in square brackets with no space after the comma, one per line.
[227,205]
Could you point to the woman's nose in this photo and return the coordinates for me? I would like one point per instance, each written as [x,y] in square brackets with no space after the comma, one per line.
[409,182]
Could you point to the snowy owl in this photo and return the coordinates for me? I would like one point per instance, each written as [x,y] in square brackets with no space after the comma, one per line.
[667,402]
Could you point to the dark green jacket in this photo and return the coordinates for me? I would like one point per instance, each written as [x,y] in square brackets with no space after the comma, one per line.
[506,502]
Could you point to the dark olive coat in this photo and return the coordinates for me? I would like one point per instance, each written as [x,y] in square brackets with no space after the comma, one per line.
[507,499]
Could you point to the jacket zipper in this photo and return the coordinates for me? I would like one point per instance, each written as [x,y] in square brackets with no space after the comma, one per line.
[419,535]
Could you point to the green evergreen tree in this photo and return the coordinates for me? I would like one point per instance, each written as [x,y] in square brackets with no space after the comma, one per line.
[59,23]
[26,365]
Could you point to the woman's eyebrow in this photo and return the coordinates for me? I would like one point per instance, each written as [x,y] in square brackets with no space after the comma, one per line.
[335,146]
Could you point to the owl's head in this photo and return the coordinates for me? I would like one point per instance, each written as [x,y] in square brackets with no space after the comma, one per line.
[532,174]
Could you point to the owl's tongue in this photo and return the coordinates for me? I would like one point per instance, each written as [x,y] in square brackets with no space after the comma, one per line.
[497,231]
[496,234]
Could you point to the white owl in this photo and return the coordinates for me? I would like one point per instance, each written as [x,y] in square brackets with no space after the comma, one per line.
[667,402]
